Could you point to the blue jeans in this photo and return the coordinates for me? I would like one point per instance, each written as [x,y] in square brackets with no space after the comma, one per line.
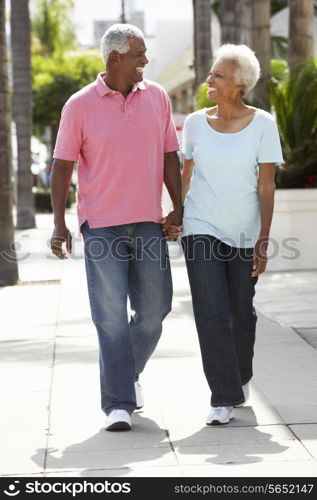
[222,293]
[126,261]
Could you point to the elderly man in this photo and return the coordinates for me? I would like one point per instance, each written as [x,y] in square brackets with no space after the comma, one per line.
[121,130]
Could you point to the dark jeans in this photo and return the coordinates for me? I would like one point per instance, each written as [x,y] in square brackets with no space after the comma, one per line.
[126,261]
[222,293]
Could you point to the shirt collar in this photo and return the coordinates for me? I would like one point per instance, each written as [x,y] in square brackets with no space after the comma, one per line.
[103,89]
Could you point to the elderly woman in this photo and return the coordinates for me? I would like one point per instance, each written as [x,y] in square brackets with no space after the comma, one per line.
[231,150]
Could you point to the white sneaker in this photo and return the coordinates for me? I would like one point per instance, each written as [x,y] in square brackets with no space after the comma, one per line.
[220,415]
[138,395]
[118,420]
[246,392]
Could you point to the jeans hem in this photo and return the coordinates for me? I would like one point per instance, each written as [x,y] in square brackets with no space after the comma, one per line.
[248,380]
[228,404]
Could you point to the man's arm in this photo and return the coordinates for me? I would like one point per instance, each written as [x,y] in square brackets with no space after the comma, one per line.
[266,189]
[173,183]
[60,181]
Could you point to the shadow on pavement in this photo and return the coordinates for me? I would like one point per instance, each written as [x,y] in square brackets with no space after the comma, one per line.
[109,453]
[234,443]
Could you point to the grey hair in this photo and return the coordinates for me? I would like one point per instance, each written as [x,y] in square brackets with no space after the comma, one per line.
[247,70]
[116,39]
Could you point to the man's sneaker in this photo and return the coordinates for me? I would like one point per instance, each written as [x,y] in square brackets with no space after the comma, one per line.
[138,395]
[118,420]
[220,415]
[246,391]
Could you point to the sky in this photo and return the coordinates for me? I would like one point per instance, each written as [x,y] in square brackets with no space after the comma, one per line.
[86,11]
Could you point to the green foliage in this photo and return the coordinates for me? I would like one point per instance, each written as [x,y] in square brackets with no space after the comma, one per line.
[42,198]
[52,26]
[55,79]
[279,69]
[277,5]
[202,98]
[294,100]
[279,46]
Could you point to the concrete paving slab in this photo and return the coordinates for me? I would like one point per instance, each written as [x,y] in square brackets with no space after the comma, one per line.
[174,383]
[259,469]
[309,335]
[214,435]
[248,452]
[22,310]
[26,366]
[169,471]
[289,298]
[18,449]
[57,460]
[143,436]
[307,434]
[24,411]
[70,352]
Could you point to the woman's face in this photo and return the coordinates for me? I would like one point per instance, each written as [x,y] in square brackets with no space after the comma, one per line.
[221,82]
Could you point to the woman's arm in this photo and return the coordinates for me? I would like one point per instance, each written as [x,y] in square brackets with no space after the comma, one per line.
[188,166]
[172,231]
[266,189]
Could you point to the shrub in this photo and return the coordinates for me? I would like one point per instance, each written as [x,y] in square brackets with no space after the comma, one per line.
[294,101]
[42,197]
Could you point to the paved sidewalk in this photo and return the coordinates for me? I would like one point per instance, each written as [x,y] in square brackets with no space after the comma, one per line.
[50,420]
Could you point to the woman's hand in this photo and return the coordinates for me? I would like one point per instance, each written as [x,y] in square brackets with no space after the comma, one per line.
[171,231]
[259,257]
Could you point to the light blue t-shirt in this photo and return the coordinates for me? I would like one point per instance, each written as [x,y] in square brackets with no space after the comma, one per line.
[223,196]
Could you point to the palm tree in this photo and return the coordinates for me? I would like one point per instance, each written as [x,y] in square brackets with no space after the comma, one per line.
[301,30]
[202,40]
[255,32]
[22,109]
[8,264]
[230,21]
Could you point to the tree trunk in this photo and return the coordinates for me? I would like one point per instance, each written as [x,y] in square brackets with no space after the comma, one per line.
[8,263]
[301,30]
[22,109]
[255,32]
[230,21]
[202,40]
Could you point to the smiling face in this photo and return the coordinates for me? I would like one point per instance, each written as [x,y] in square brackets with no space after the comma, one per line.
[132,63]
[222,86]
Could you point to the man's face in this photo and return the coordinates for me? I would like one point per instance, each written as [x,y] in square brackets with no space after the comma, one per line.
[133,62]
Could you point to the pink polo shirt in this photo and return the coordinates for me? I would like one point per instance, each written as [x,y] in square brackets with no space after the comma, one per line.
[120,145]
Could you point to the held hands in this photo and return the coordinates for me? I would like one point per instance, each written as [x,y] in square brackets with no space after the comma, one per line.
[259,257]
[61,235]
[172,225]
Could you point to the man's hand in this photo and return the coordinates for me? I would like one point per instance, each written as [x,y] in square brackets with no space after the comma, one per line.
[172,225]
[259,257]
[61,235]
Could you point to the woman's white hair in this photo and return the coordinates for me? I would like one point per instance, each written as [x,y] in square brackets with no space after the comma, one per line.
[116,39]
[247,71]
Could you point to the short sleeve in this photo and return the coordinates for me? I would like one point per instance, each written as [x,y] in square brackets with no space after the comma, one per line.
[69,137]
[187,145]
[270,150]
[171,142]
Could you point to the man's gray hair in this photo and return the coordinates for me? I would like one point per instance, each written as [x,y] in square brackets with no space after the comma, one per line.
[116,39]
[247,70]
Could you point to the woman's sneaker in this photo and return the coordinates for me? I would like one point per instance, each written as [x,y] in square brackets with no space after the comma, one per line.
[246,392]
[138,395]
[118,420]
[220,415]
